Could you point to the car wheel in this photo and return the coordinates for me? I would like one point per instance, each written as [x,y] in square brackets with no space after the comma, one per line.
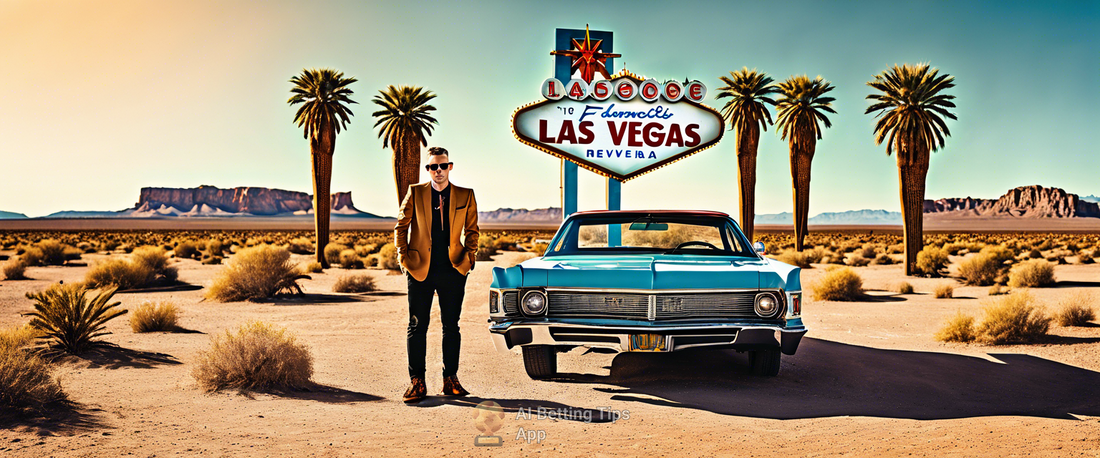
[541,361]
[764,363]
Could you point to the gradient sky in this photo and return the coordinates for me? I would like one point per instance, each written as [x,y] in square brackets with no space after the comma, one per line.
[98,99]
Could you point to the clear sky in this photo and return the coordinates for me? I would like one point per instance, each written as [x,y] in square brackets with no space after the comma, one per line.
[98,99]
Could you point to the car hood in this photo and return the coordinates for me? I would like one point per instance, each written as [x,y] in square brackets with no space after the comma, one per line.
[652,272]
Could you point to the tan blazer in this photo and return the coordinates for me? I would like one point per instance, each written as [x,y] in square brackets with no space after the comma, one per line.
[413,233]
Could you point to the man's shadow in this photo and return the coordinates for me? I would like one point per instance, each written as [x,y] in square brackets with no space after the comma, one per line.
[826,379]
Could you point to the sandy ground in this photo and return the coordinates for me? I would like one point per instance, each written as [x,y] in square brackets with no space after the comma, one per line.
[869,380]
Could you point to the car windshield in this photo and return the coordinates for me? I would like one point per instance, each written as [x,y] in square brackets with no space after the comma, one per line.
[651,233]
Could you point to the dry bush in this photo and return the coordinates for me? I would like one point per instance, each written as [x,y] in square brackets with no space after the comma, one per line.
[838,284]
[258,272]
[31,256]
[1034,273]
[1076,309]
[332,253]
[312,267]
[944,291]
[153,317]
[350,260]
[904,288]
[981,270]
[997,290]
[487,248]
[932,261]
[868,252]
[186,249]
[215,247]
[65,314]
[26,380]
[365,250]
[539,249]
[300,245]
[212,260]
[1034,254]
[354,284]
[55,253]
[1084,257]
[258,356]
[1016,318]
[148,266]
[794,258]
[387,257]
[959,328]
[15,270]
[883,260]
[858,261]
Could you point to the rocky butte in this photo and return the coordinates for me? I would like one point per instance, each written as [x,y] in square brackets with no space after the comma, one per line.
[1022,202]
[242,200]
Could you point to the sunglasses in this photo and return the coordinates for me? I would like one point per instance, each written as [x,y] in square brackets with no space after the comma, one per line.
[434,167]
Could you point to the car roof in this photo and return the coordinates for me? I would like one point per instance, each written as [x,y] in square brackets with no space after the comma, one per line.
[653,212]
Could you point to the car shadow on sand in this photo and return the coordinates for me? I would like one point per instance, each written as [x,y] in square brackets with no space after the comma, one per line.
[827,379]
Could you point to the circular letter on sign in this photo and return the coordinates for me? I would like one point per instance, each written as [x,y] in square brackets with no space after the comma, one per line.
[695,91]
[553,89]
[625,89]
[600,90]
[673,91]
[650,90]
[577,89]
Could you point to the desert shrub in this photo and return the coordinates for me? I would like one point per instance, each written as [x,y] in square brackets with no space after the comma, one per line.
[1016,318]
[65,314]
[127,247]
[487,246]
[312,267]
[26,380]
[540,249]
[897,248]
[301,245]
[1034,273]
[387,257]
[858,261]
[354,284]
[85,247]
[365,250]
[1076,309]
[371,261]
[258,356]
[997,290]
[332,253]
[108,245]
[839,284]
[981,270]
[212,260]
[32,256]
[959,328]
[152,317]
[215,247]
[186,249]
[15,270]
[944,291]
[1083,257]
[794,258]
[953,249]
[1034,254]
[148,266]
[868,252]
[904,288]
[883,260]
[55,253]
[254,273]
[932,261]
[156,259]
[350,260]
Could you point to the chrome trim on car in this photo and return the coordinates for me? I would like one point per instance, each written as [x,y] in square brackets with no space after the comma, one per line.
[656,291]
[746,334]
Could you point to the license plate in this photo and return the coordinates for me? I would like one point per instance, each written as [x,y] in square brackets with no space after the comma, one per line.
[647,342]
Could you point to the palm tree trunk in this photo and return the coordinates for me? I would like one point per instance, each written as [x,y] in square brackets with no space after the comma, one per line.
[801,158]
[322,149]
[747,144]
[406,164]
[912,178]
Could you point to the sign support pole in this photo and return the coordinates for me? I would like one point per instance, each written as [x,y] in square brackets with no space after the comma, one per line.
[563,40]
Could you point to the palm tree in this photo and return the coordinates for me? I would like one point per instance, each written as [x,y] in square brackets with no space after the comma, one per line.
[406,126]
[910,107]
[324,97]
[798,111]
[748,91]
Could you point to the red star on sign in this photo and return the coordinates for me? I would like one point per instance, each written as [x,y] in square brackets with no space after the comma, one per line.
[587,57]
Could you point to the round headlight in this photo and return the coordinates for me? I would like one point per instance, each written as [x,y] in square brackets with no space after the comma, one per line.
[766,305]
[534,303]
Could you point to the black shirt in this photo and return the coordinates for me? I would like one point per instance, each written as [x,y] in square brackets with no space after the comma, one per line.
[441,205]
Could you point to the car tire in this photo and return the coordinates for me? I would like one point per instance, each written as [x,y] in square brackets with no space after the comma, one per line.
[764,363]
[541,361]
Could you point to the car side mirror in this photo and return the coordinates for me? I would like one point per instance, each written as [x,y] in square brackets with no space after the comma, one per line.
[759,248]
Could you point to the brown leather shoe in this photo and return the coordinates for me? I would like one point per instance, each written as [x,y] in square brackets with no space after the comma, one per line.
[417,391]
[451,387]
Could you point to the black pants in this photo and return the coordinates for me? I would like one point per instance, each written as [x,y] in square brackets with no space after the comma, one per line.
[451,287]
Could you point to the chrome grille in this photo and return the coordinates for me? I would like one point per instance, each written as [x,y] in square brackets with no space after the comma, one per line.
[665,306]
[617,305]
[511,303]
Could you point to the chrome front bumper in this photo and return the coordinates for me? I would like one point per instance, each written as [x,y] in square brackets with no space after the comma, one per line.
[508,336]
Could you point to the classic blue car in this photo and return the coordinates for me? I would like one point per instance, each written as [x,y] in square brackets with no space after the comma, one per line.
[653,281]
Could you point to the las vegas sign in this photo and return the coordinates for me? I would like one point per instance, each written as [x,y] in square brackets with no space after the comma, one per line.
[620,127]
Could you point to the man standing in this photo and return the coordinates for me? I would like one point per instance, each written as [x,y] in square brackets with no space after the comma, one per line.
[436,259]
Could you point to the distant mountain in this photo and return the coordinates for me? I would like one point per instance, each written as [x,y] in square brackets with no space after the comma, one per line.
[210,201]
[1095,199]
[1022,202]
[851,217]
[521,215]
[11,215]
